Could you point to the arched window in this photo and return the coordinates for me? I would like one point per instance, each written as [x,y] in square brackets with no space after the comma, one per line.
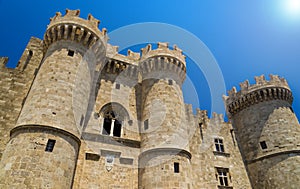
[113,117]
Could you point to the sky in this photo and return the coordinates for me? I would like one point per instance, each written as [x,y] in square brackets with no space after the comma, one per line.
[241,39]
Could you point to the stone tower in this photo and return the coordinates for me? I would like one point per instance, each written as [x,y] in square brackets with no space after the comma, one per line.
[164,135]
[44,144]
[267,132]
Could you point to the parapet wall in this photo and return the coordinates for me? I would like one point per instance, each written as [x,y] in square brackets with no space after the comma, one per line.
[262,90]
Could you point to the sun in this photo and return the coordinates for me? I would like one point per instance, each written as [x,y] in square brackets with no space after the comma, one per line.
[293,7]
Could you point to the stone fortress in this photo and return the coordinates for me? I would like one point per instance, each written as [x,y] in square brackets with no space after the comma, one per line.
[76,114]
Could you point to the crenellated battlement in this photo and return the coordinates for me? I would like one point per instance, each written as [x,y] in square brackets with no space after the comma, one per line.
[72,27]
[164,51]
[262,90]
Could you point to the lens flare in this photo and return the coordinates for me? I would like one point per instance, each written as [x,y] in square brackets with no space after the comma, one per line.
[293,7]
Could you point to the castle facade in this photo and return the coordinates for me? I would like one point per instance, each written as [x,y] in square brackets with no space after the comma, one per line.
[76,114]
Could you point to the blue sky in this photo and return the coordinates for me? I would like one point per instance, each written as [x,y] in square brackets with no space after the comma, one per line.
[247,38]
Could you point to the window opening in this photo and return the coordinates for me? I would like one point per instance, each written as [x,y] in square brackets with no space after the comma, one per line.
[117,128]
[70,53]
[106,126]
[219,145]
[223,176]
[111,125]
[146,124]
[176,167]
[50,145]
[263,145]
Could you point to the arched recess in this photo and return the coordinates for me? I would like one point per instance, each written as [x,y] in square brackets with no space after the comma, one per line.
[113,117]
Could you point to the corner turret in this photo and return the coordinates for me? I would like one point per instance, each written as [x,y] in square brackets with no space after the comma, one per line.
[267,131]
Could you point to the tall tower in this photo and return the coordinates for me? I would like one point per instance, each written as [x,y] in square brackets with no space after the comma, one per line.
[267,131]
[44,145]
[164,161]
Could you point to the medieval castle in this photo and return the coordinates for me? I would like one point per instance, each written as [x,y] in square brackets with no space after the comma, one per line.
[76,114]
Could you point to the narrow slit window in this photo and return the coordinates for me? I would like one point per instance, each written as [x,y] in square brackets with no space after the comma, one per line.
[50,145]
[146,124]
[263,145]
[118,86]
[70,53]
[176,167]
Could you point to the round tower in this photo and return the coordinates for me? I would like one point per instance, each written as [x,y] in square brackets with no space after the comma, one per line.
[267,132]
[165,158]
[43,148]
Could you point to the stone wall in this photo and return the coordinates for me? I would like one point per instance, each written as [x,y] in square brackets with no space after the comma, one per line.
[14,86]
[206,159]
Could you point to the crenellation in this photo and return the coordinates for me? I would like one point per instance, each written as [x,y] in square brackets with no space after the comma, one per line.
[3,61]
[72,13]
[244,86]
[217,118]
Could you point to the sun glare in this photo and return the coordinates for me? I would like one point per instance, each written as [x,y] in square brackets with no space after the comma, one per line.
[293,7]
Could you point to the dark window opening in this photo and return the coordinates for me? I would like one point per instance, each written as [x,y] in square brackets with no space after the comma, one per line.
[117,128]
[170,82]
[106,126]
[263,145]
[176,167]
[112,126]
[70,53]
[81,120]
[118,86]
[219,145]
[201,132]
[50,145]
[146,124]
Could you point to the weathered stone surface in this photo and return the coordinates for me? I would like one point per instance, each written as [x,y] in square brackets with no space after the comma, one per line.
[120,121]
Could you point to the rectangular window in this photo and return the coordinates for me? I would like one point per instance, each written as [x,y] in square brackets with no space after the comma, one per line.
[263,145]
[70,53]
[170,82]
[50,145]
[146,124]
[219,145]
[118,86]
[222,174]
[176,167]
